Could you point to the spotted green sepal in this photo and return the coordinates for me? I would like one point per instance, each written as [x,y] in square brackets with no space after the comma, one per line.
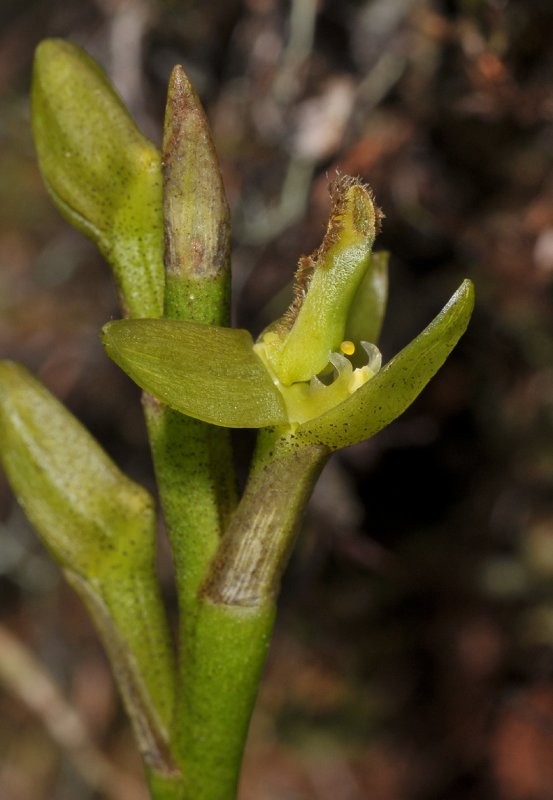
[385,396]
[205,371]
[101,172]
[298,345]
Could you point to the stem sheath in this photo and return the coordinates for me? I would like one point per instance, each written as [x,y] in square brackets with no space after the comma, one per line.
[235,616]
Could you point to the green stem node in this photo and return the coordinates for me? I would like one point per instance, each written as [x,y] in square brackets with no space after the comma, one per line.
[261,534]
[222,674]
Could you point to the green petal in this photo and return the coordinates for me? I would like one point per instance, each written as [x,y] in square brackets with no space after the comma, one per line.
[366,314]
[383,398]
[205,371]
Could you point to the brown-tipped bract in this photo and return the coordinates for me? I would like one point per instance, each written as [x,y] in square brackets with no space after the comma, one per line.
[298,346]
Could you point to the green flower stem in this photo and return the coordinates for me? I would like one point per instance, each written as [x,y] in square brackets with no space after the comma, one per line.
[236,613]
[197,493]
[222,675]
[193,461]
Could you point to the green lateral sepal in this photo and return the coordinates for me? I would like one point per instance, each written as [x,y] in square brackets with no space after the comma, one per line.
[205,371]
[382,399]
[101,172]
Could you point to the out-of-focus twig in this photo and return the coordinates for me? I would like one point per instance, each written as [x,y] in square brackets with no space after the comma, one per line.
[302,19]
[127,23]
[265,224]
[23,676]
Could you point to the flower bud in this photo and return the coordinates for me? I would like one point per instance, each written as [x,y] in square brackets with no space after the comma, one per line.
[101,172]
[196,212]
[100,527]
[87,512]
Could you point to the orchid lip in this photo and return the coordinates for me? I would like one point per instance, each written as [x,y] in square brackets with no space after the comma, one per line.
[374,356]
[306,400]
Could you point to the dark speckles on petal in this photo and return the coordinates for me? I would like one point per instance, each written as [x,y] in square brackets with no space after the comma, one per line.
[378,402]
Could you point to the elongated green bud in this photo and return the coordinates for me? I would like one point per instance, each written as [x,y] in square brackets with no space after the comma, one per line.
[100,527]
[87,511]
[101,172]
[298,346]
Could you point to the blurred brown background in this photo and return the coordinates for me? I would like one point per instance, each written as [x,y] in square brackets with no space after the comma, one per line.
[414,654]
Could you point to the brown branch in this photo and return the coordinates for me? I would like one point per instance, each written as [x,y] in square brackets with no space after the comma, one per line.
[23,676]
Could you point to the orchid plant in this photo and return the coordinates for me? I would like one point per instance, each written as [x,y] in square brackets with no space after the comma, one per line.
[311,384]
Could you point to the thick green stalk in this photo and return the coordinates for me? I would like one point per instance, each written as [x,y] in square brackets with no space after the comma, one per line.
[254,551]
[193,461]
[236,614]
[197,493]
[163,787]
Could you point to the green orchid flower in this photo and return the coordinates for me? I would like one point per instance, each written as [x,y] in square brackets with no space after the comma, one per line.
[300,376]
[312,383]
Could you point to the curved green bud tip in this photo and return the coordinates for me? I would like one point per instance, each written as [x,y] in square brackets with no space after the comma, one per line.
[101,172]
[88,514]
[205,371]
[298,346]
[380,400]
